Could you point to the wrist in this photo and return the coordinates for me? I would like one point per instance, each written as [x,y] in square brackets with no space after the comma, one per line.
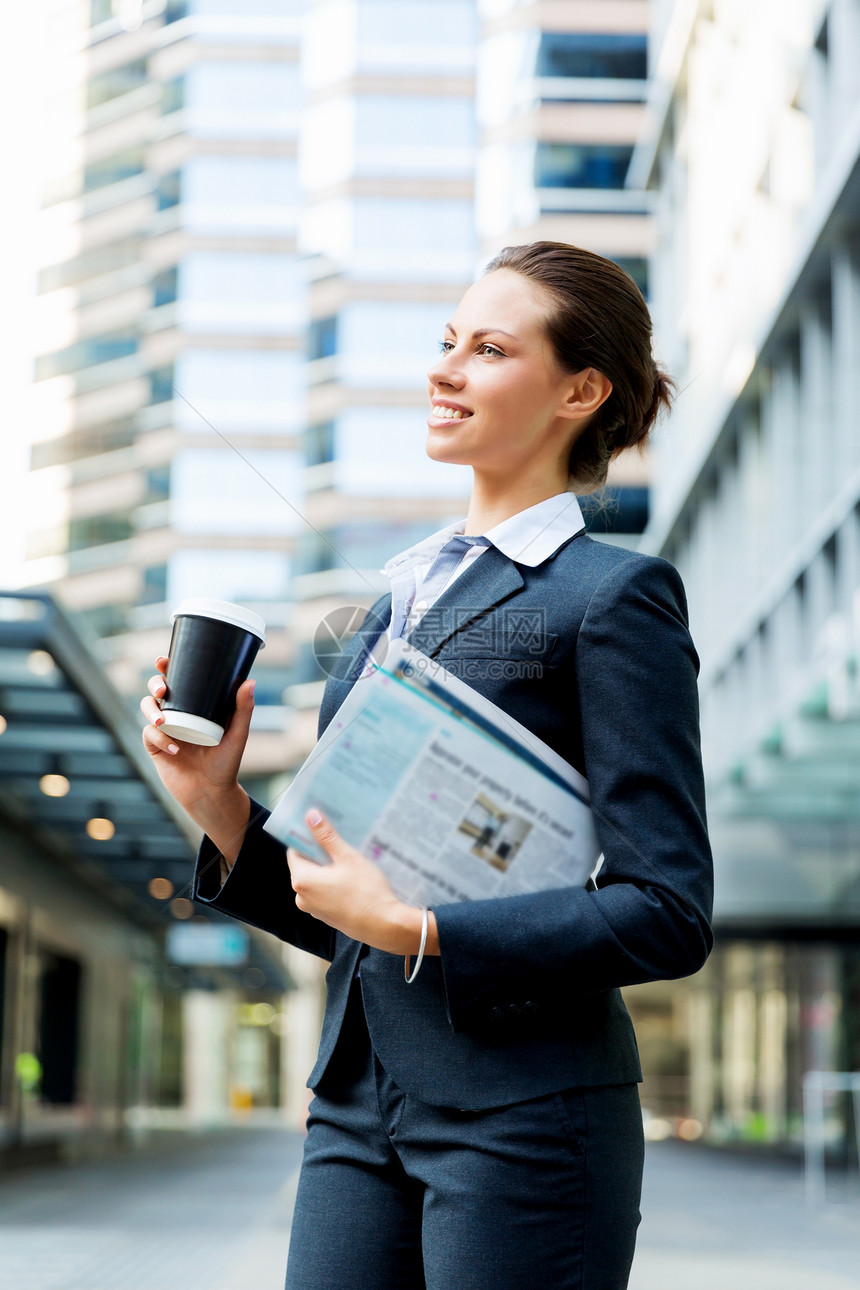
[223,816]
[403,932]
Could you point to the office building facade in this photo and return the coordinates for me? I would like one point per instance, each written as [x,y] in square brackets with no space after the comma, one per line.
[561,97]
[169,394]
[752,154]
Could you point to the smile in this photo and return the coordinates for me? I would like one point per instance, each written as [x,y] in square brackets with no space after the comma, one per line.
[448,414]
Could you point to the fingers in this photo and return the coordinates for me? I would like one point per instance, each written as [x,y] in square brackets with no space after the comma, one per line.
[161,662]
[327,836]
[156,686]
[152,712]
[240,722]
[155,742]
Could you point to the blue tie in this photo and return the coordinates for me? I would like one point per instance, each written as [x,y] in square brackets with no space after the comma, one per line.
[448,559]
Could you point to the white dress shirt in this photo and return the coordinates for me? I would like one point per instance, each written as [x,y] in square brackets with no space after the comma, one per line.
[529,537]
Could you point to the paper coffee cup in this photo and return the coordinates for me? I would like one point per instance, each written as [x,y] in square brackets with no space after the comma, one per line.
[212,649]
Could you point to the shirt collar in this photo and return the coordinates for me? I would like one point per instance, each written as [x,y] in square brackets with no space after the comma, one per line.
[529,537]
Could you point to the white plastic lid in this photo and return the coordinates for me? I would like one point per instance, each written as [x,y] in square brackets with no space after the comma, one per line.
[224,612]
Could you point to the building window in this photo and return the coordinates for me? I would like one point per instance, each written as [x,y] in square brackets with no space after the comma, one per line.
[173,95]
[319,443]
[80,444]
[577,165]
[616,510]
[158,483]
[118,81]
[86,353]
[113,170]
[589,54]
[322,338]
[89,264]
[169,190]
[637,267]
[164,287]
[161,385]
[154,589]
[99,530]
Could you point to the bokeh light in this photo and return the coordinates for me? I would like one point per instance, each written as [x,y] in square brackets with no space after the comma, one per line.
[54,785]
[100,829]
[161,888]
[181,908]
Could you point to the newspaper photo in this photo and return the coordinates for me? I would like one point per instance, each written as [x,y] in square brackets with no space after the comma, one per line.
[448,794]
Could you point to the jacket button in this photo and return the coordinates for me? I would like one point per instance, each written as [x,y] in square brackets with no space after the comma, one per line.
[496,1013]
[529,1006]
[514,1009]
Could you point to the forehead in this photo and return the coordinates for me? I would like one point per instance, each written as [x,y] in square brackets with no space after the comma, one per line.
[503,299]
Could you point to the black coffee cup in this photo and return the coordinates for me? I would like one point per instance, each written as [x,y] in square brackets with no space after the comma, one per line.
[212,650]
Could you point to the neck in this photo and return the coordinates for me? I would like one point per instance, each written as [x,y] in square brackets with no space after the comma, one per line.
[494,500]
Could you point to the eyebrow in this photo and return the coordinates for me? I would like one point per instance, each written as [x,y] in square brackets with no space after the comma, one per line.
[484,331]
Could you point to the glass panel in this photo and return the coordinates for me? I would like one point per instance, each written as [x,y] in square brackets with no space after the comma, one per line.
[164,287]
[169,190]
[589,54]
[86,353]
[637,267]
[116,82]
[579,165]
[79,444]
[322,338]
[113,170]
[616,510]
[89,264]
[97,530]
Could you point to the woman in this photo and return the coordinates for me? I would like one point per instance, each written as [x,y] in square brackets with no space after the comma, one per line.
[478,1126]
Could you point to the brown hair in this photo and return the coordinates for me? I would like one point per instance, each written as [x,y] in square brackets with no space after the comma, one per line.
[600,320]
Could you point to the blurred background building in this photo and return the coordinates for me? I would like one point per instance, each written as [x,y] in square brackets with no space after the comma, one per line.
[255,220]
[752,153]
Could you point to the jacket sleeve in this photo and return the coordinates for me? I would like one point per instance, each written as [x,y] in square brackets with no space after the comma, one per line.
[634,682]
[257,889]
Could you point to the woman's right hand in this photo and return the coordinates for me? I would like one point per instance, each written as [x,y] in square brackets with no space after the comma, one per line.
[198,778]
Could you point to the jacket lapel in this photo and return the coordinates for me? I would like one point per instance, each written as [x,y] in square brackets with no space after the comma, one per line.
[487,581]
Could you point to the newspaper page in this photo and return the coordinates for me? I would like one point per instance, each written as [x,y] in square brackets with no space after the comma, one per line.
[453,798]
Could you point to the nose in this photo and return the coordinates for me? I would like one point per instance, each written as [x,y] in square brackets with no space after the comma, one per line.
[445,372]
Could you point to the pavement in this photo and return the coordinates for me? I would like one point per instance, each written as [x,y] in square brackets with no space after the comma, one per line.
[212,1212]
[716,1220]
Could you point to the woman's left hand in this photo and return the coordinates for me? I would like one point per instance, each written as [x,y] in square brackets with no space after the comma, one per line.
[353,895]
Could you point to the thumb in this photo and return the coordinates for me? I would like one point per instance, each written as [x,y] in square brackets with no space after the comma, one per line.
[240,722]
[325,834]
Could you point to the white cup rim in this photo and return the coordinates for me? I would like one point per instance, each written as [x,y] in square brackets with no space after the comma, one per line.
[223,611]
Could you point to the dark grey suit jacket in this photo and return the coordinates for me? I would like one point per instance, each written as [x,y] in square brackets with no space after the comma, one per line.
[523,999]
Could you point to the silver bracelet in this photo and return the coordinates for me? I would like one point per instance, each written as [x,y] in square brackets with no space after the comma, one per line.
[424,925]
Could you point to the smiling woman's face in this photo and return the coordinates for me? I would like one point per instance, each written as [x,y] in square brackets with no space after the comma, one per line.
[498,371]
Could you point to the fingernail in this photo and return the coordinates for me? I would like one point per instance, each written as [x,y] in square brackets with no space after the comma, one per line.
[173,748]
[159,689]
[251,688]
[314,819]
[156,721]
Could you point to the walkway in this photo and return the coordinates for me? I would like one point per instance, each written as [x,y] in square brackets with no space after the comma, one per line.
[213,1212]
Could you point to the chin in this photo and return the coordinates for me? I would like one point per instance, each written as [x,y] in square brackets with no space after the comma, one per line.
[438,450]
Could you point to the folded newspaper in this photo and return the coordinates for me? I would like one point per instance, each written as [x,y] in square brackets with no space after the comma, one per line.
[453,798]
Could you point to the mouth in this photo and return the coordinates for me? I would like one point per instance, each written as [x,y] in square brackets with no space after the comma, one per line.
[444,413]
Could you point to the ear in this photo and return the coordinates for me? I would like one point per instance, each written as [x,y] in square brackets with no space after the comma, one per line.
[586,391]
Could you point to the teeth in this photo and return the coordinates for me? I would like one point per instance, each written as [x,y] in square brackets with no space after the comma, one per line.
[450,414]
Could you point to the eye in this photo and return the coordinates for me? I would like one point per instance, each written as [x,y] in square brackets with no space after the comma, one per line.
[444,346]
[496,353]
